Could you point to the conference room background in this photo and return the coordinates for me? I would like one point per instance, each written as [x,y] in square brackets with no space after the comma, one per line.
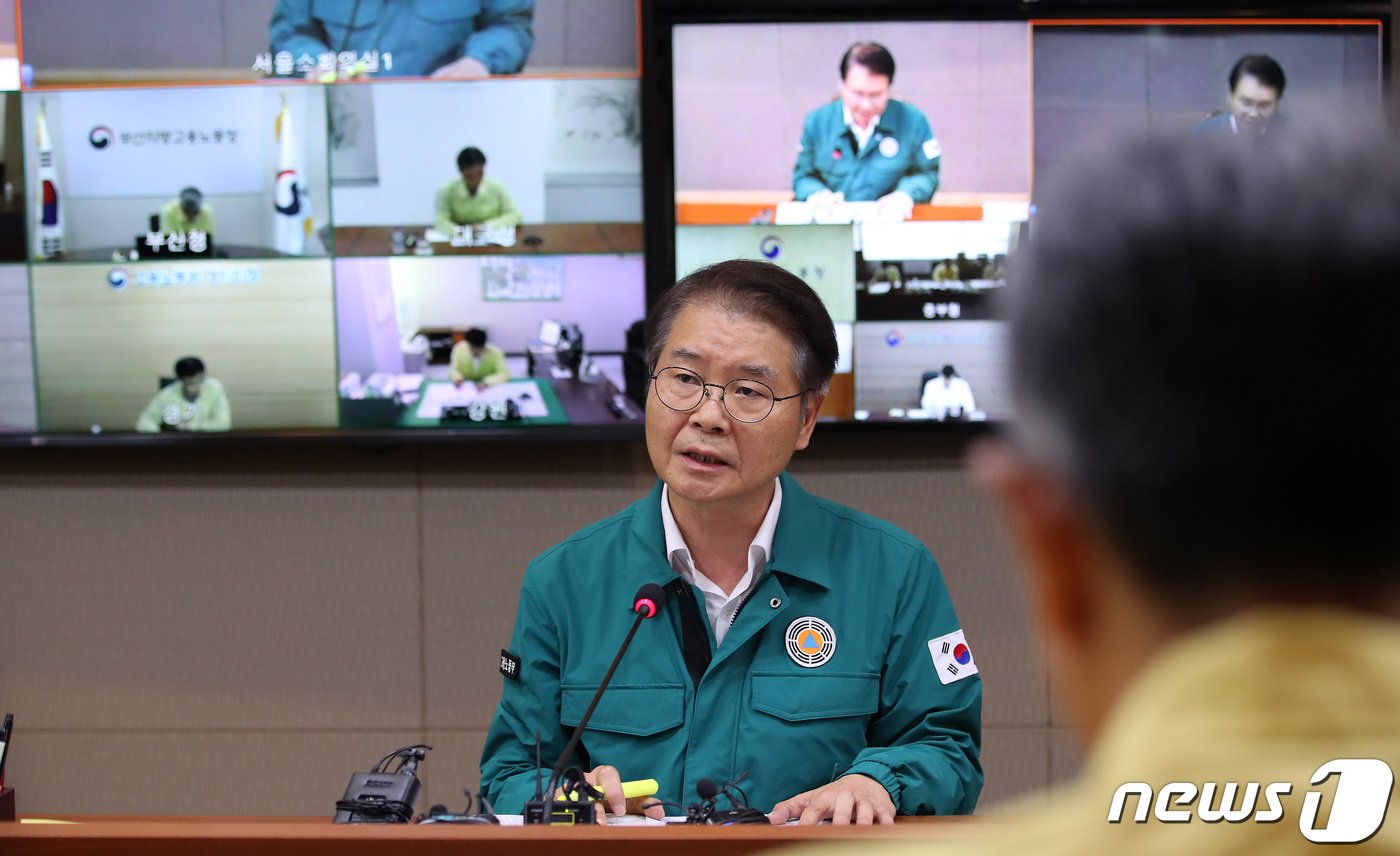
[234,626]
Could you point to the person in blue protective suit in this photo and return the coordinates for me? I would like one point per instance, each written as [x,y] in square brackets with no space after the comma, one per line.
[866,146]
[805,646]
[437,38]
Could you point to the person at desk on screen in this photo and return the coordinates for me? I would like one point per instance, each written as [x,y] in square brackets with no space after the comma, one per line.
[947,396]
[421,38]
[804,643]
[188,213]
[1256,87]
[473,198]
[193,402]
[1216,569]
[475,361]
[866,146]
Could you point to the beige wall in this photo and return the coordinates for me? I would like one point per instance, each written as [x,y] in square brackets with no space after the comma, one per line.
[228,631]
[102,351]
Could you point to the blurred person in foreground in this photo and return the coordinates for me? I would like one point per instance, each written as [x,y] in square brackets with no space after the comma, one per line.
[1216,560]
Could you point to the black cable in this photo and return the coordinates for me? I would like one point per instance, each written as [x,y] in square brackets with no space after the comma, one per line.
[399,811]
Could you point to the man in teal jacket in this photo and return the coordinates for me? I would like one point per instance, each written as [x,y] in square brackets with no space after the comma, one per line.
[460,38]
[866,146]
[805,644]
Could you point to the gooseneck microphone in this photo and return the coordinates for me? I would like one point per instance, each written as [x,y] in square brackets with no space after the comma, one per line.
[646,603]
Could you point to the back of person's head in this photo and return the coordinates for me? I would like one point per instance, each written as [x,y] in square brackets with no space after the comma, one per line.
[873,55]
[476,337]
[1262,67]
[188,367]
[761,291]
[1202,347]
[636,335]
[949,371]
[469,157]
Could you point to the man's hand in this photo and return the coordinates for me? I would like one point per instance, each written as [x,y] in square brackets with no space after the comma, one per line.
[607,780]
[897,203]
[462,68]
[849,799]
[826,196]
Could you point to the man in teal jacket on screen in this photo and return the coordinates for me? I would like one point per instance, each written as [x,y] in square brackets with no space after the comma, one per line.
[805,646]
[437,38]
[867,146]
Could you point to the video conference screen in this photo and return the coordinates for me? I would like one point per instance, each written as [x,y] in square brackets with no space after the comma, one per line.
[296,217]
[893,164]
[280,216]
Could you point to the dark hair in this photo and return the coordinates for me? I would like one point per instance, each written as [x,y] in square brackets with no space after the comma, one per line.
[1262,66]
[469,157]
[188,367]
[476,337]
[873,55]
[759,290]
[949,371]
[1198,376]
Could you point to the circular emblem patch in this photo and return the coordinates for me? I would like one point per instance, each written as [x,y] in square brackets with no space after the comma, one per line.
[810,641]
[889,147]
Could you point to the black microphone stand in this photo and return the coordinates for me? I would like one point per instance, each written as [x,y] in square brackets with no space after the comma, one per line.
[572,811]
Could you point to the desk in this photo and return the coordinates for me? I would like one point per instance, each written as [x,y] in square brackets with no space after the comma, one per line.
[555,239]
[742,207]
[568,401]
[221,252]
[317,836]
[544,393]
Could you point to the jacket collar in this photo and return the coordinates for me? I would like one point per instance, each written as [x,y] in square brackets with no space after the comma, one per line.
[800,546]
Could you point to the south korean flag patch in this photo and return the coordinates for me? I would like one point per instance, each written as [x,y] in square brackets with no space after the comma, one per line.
[952,658]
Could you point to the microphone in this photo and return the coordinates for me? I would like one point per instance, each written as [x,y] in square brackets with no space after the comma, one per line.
[706,811]
[646,603]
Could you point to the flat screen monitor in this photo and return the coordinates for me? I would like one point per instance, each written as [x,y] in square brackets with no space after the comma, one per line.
[208,242]
[889,154]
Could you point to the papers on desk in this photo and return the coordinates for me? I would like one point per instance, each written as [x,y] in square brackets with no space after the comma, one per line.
[613,820]
[523,392]
[805,213]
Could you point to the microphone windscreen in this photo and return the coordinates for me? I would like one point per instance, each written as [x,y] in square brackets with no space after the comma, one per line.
[649,599]
[707,789]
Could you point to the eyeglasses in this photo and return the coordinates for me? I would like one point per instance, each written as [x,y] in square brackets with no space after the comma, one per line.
[745,400]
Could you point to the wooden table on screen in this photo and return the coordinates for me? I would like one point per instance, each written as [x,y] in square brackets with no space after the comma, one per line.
[555,239]
[317,836]
[736,207]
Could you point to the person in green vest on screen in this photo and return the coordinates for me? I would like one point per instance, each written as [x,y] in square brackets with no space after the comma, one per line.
[188,213]
[193,402]
[474,361]
[473,198]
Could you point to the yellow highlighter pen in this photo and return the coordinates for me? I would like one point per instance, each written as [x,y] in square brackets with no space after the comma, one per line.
[638,788]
